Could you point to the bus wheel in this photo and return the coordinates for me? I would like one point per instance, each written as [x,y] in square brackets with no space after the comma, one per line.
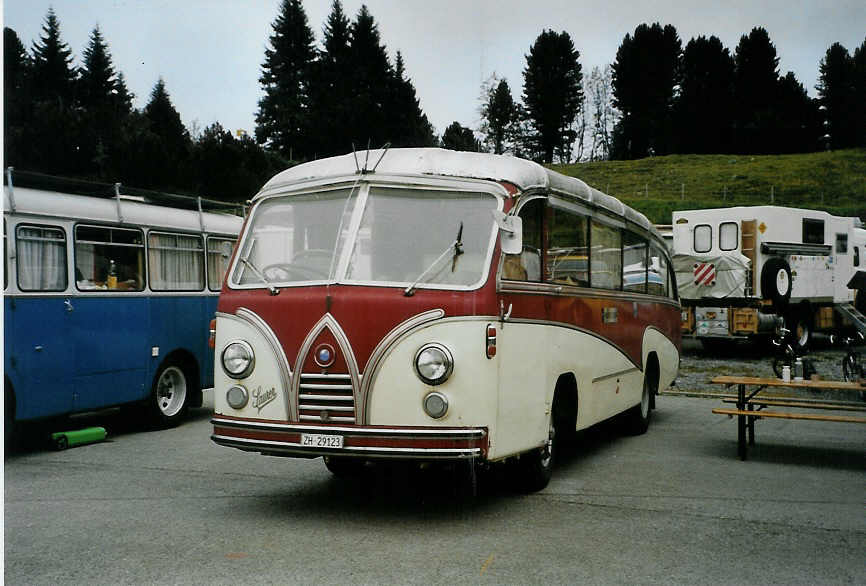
[638,417]
[536,467]
[169,396]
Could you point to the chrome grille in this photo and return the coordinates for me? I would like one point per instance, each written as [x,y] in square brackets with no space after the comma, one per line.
[330,394]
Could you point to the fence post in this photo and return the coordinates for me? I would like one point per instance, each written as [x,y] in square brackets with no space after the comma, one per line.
[772,194]
[682,191]
[646,190]
[724,192]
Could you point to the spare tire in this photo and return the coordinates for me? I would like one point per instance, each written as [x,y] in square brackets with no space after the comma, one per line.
[776,281]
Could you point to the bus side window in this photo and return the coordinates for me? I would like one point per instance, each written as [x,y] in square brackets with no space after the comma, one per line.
[606,257]
[175,261]
[41,255]
[527,265]
[658,282]
[567,258]
[219,253]
[109,259]
[634,262]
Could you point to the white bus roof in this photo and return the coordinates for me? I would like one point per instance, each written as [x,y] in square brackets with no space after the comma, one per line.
[39,203]
[458,164]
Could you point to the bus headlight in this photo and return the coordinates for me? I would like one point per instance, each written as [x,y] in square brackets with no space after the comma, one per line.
[238,359]
[433,363]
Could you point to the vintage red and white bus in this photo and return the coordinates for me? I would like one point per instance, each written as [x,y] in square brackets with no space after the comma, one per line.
[425,304]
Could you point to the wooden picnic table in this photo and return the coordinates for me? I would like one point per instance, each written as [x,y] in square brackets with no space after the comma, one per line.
[748,388]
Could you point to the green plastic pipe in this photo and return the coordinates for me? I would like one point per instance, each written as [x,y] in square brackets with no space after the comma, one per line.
[68,439]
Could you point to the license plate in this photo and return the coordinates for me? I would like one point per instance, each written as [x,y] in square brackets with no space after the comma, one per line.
[318,440]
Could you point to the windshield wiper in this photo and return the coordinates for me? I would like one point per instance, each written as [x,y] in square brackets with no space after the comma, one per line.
[456,247]
[260,275]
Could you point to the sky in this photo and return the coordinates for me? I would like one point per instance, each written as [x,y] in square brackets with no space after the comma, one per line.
[210,52]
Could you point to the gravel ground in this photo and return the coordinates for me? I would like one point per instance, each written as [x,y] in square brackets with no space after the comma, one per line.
[698,366]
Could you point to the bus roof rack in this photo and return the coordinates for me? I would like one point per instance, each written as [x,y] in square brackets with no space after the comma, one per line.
[89,188]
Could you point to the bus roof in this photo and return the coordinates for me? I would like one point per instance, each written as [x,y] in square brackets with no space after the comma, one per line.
[445,163]
[40,203]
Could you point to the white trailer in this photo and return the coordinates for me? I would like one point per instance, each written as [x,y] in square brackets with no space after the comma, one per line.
[742,270]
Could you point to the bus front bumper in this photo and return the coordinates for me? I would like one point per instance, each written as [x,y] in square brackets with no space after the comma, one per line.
[362,441]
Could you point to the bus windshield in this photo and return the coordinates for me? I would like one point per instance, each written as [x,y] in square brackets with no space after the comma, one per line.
[375,235]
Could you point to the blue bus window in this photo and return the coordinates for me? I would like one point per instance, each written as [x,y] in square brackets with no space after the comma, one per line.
[219,253]
[41,255]
[176,262]
[109,259]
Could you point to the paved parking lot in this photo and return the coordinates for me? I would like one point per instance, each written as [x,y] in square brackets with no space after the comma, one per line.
[674,506]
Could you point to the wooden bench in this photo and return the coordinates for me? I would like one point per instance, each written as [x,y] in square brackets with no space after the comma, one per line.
[747,414]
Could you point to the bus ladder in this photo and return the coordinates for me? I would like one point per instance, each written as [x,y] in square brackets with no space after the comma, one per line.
[858,319]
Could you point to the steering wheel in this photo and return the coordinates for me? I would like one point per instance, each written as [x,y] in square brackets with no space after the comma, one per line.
[298,269]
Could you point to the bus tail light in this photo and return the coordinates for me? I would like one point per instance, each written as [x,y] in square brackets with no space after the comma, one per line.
[211,339]
[491,340]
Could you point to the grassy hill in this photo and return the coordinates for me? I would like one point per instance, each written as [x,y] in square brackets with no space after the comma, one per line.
[833,181]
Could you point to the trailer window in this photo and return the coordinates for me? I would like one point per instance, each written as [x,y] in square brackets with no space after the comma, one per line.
[813,231]
[703,238]
[728,236]
[175,262]
[841,244]
[41,255]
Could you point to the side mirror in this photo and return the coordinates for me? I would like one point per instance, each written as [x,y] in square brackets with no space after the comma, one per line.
[511,232]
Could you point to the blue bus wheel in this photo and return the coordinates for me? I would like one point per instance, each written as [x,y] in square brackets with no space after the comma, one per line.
[170,395]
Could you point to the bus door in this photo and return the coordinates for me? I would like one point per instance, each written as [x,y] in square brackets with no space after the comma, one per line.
[37,323]
[111,317]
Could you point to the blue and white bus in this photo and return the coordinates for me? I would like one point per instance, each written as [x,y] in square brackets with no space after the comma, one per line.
[107,301]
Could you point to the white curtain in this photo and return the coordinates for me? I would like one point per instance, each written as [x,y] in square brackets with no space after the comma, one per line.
[175,262]
[41,259]
[219,252]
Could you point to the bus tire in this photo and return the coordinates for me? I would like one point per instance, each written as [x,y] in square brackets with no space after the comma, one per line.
[776,281]
[637,418]
[536,467]
[170,394]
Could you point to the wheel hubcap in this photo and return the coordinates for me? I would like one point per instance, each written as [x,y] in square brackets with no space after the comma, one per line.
[171,391]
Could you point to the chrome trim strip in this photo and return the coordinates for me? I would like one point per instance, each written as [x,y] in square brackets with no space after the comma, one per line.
[341,408]
[308,375]
[615,374]
[385,344]
[563,290]
[328,322]
[318,419]
[265,330]
[269,445]
[363,431]
[308,397]
[326,387]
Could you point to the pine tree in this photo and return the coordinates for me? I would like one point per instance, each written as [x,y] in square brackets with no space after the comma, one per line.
[860,92]
[16,97]
[837,93]
[799,127]
[552,94]
[499,113]
[331,90]
[53,73]
[459,138]
[408,126]
[371,76]
[171,136]
[755,93]
[705,114]
[646,73]
[283,121]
